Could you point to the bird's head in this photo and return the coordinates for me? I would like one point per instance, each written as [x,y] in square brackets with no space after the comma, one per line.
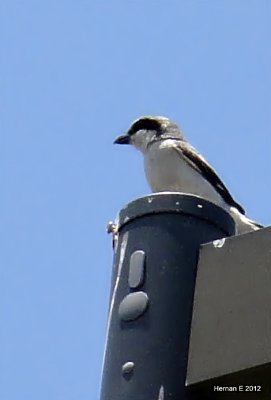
[148,129]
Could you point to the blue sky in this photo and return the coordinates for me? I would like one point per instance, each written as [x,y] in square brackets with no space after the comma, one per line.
[73,75]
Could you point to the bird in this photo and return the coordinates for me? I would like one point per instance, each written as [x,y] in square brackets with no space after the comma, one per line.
[172,164]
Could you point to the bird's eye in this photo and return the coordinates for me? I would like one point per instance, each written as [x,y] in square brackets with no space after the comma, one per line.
[145,123]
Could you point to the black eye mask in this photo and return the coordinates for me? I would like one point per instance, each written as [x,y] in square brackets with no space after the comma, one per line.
[145,123]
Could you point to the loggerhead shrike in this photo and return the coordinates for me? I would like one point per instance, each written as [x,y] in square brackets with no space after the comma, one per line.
[172,164]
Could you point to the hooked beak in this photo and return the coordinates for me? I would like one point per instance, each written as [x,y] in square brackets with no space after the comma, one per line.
[123,139]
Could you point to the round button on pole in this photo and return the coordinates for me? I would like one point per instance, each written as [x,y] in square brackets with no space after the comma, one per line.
[133,306]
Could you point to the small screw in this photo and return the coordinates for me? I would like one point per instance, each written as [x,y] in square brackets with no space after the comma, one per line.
[111,227]
[128,369]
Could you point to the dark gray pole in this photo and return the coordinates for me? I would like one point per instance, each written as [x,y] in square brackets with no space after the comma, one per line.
[153,280]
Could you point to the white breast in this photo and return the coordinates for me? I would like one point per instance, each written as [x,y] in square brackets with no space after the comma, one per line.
[166,170]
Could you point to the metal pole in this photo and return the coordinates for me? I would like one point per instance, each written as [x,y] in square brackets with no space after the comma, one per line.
[153,280]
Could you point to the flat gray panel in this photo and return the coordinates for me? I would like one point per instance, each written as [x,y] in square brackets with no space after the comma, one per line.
[231,323]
